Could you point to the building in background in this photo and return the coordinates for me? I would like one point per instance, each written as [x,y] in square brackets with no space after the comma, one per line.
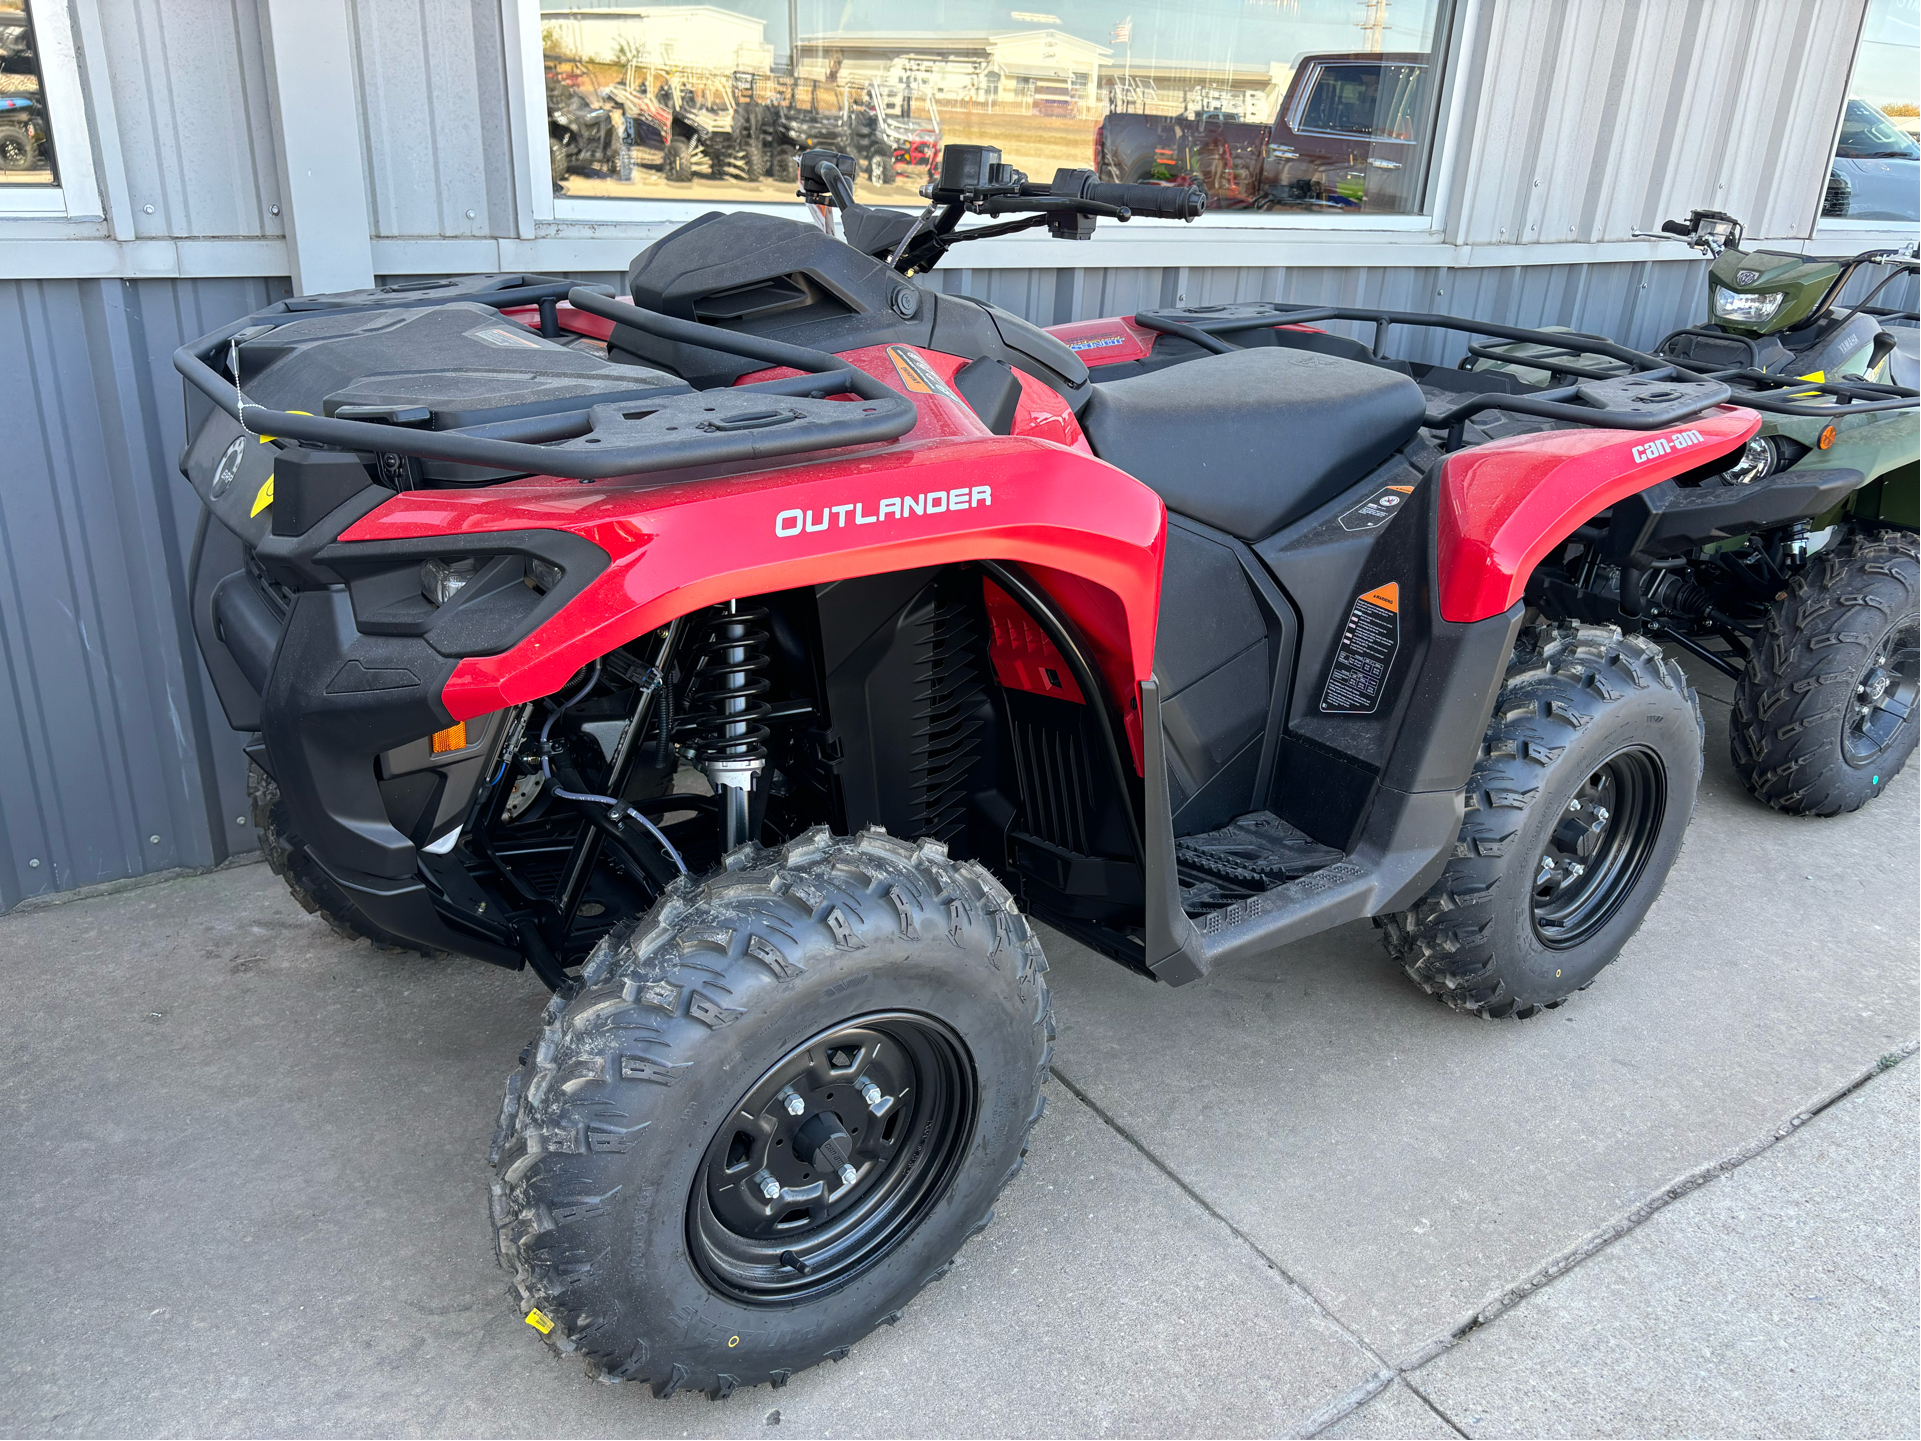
[203,157]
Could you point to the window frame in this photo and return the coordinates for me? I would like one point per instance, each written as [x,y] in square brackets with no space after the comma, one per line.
[76,196]
[1139,242]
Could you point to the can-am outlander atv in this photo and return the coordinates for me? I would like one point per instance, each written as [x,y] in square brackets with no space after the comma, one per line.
[1809,597]
[757,659]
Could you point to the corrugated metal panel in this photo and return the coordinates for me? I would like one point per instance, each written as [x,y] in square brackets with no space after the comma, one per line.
[112,735]
[190,95]
[433,97]
[1635,303]
[1589,119]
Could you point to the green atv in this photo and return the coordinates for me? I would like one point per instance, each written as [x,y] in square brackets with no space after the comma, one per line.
[1809,601]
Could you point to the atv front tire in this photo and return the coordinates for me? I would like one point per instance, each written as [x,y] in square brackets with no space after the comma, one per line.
[1575,811]
[1824,715]
[773,1112]
[677,166]
[317,892]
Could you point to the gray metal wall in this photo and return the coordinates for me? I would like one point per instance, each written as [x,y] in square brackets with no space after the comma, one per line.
[118,762]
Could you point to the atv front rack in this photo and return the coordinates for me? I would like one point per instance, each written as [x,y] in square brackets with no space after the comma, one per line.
[1612,386]
[672,428]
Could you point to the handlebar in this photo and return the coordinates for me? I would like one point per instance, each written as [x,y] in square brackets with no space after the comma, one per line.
[1161,202]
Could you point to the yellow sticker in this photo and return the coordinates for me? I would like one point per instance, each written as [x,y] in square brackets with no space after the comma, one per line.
[262,500]
[265,438]
[539,1322]
[1817,376]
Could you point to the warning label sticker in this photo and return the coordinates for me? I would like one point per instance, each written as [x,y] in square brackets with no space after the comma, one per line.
[1378,509]
[1366,653]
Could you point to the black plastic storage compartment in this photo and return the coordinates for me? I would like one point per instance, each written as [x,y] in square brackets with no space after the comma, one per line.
[443,367]
[783,279]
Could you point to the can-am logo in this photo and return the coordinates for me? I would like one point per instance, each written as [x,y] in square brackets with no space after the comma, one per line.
[1666,445]
[894,507]
[1746,277]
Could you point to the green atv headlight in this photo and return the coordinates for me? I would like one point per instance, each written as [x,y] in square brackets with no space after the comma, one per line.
[1751,309]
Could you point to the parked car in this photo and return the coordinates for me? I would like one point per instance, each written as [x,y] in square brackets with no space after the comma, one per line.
[1352,130]
[1877,169]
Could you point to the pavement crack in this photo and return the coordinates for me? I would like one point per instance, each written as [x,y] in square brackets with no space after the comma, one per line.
[1687,1182]
[1337,1407]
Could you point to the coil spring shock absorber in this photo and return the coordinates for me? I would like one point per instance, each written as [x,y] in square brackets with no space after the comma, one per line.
[731,739]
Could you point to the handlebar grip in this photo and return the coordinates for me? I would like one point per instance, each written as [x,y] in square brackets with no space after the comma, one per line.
[1165,202]
[1675,227]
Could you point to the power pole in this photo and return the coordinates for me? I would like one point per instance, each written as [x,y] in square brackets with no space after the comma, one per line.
[1373,25]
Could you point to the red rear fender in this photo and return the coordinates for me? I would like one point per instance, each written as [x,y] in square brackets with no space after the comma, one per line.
[1506,504]
[1091,536]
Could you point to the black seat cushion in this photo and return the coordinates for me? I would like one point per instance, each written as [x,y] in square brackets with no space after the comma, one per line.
[1248,441]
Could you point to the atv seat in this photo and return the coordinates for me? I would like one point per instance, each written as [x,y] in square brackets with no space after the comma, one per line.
[1248,441]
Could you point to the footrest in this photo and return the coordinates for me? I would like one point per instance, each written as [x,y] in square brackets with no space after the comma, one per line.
[1250,855]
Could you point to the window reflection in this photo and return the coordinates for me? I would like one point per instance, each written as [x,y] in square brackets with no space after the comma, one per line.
[26,144]
[1269,105]
[1876,173]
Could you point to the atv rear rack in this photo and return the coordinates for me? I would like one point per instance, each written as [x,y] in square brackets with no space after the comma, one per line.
[1595,399]
[672,428]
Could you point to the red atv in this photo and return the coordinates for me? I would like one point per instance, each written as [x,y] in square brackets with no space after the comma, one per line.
[756,659]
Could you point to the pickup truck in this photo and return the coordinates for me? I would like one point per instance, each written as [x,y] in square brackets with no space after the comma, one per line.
[1351,132]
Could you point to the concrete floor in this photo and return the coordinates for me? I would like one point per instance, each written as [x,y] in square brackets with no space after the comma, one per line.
[245,1187]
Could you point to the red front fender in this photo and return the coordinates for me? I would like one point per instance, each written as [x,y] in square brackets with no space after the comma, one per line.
[1506,504]
[1091,535]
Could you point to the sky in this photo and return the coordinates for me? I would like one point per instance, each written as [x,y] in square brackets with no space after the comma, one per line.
[1194,31]
[1888,69]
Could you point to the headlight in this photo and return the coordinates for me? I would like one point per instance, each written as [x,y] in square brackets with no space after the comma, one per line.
[442,580]
[1738,305]
[1756,460]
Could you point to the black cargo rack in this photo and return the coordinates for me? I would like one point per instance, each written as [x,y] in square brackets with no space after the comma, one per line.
[1625,395]
[680,428]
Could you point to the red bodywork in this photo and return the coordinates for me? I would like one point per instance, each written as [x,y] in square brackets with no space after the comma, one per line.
[1089,535]
[1506,504]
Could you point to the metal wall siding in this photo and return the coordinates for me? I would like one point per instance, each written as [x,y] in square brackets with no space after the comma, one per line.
[433,97]
[190,93]
[1586,121]
[112,730]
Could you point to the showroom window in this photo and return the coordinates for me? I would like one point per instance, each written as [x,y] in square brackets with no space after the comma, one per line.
[1277,108]
[26,136]
[1876,175]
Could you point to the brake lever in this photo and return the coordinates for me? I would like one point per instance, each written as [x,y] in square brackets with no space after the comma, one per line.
[1051,204]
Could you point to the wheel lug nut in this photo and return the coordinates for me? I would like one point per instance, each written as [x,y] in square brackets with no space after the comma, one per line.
[870,1093]
[769,1187]
[847,1175]
[794,1104]
[878,1101]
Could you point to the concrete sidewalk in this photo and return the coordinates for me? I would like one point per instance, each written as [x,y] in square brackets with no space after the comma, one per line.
[246,1185]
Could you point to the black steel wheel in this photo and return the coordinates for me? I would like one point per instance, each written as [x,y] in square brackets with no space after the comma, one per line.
[1597,851]
[1573,817]
[1882,706]
[832,1156]
[1825,715]
[776,1108]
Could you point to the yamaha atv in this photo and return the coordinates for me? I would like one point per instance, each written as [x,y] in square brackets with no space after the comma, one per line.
[1809,596]
[757,658]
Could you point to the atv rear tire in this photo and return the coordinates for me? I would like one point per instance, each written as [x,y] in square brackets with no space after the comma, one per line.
[17,148]
[637,1150]
[1575,812]
[677,166]
[317,892]
[1824,715]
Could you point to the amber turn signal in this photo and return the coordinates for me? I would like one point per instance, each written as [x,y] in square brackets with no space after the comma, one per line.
[454,738]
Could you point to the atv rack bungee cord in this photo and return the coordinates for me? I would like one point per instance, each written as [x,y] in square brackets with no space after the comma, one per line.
[671,428]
